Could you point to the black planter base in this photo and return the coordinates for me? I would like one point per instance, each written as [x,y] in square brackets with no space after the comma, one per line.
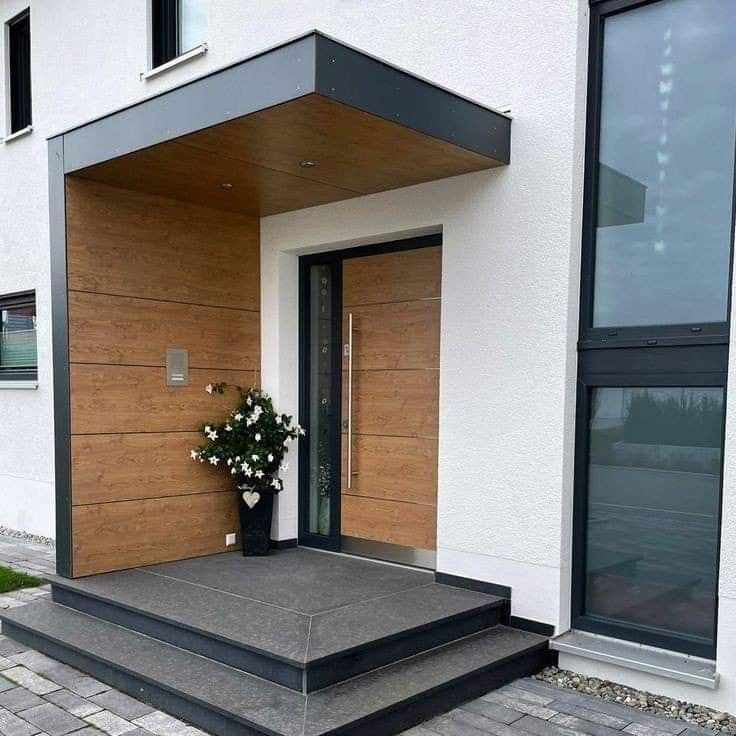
[255,523]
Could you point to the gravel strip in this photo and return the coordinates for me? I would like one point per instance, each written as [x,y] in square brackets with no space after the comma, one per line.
[7,532]
[655,704]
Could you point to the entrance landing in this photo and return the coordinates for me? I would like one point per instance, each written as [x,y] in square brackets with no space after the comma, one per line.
[298,642]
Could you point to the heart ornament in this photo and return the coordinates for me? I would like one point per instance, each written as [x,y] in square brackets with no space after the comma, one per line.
[251,498]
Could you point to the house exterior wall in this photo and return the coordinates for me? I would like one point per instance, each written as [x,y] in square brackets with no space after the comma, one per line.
[510,268]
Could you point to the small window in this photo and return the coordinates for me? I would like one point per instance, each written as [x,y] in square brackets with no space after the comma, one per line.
[18,357]
[19,71]
[178,26]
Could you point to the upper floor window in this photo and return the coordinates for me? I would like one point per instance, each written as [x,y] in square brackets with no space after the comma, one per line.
[663,221]
[18,35]
[178,26]
[18,358]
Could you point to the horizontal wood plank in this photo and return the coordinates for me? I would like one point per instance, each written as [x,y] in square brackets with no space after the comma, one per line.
[398,468]
[393,277]
[128,331]
[118,467]
[394,522]
[398,403]
[122,399]
[395,336]
[132,244]
[116,536]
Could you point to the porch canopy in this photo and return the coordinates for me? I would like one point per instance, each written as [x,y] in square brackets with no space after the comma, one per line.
[154,245]
[309,122]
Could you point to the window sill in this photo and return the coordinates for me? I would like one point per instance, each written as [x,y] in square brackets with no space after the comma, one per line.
[18,134]
[191,54]
[24,385]
[633,656]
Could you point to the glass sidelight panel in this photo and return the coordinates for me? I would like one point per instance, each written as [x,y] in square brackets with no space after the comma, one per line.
[654,480]
[665,165]
[323,409]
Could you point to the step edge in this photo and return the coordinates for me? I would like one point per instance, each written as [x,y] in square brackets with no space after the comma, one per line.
[150,681]
[303,664]
[173,622]
[419,629]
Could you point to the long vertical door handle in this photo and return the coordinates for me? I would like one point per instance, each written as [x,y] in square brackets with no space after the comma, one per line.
[350,400]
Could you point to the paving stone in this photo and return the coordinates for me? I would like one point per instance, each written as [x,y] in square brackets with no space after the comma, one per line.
[75,680]
[12,725]
[446,726]
[110,723]
[30,680]
[19,699]
[5,684]
[542,727]
[418,731]
[527,695]
[481,723]
[641,729]
[582,726]
[73,703]
[494,711]
[34,661]
[6,663]
[161,724]
[591,714]
[8,647]
[51,719]
[523,706]
[121,704]
[618,710]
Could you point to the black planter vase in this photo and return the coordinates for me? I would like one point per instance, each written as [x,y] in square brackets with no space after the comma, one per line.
[255,523]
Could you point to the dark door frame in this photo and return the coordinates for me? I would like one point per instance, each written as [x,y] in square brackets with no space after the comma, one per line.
[334,259]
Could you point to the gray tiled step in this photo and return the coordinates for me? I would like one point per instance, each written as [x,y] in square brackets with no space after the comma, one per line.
[227,701]
[290,647]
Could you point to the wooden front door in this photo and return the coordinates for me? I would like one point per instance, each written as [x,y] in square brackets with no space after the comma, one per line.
[390,397]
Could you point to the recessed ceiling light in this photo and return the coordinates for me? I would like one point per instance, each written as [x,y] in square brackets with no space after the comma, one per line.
[307,164]
[226,185]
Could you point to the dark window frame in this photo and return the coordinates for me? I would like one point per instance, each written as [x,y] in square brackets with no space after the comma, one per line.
[165,35]
[19,299]
[688,355]
[18,58]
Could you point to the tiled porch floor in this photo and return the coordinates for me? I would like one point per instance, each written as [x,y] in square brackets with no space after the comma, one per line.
[39,696]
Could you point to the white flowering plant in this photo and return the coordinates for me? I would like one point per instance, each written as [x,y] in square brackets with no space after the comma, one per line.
[252,443]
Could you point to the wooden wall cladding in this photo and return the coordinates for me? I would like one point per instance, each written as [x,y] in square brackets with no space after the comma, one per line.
[110,536]
[145,274]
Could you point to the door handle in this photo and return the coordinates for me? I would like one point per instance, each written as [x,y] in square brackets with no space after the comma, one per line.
[350,399]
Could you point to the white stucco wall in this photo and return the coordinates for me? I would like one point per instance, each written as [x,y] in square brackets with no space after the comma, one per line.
[510,271]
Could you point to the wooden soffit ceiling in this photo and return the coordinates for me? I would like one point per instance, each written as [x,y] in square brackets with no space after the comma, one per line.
[351,125]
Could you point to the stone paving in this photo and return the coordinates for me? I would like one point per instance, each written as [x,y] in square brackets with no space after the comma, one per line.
[42,697]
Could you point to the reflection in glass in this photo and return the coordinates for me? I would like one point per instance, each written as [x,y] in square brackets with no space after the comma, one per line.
[653,508]
[18,337]
[321,410]
[193,24]
[665,182]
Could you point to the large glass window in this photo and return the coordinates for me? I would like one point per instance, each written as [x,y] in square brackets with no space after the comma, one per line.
[653,508]
[18,359]
[653,358]
[665,181]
